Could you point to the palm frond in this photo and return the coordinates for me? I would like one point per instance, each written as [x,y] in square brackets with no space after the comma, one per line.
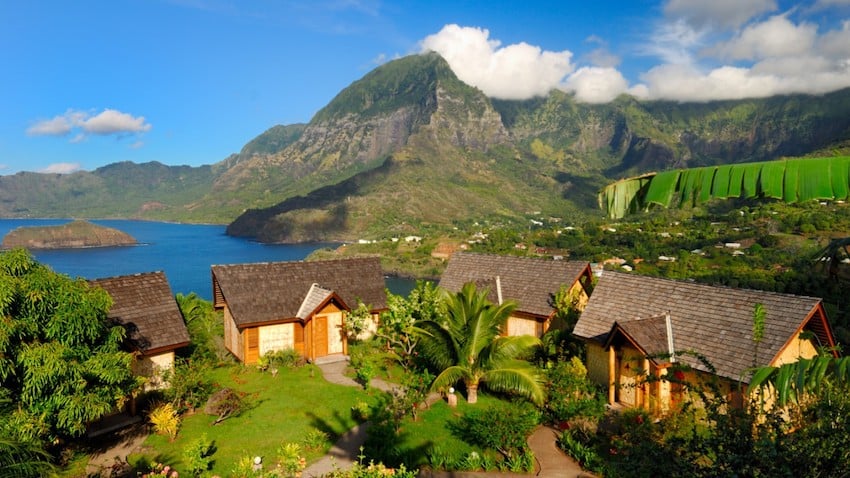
[516,377]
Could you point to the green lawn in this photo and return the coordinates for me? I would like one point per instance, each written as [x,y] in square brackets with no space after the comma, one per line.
[431,432]
[282,409]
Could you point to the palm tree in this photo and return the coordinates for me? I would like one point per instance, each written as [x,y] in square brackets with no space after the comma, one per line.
[466,345]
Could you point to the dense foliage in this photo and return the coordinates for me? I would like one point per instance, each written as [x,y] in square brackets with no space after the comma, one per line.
[466,345]
[61,359]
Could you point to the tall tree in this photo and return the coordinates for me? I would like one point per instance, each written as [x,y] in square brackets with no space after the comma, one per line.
[466,345]
[61,359]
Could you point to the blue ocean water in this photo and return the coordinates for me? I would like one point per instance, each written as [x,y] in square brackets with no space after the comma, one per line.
[184,252]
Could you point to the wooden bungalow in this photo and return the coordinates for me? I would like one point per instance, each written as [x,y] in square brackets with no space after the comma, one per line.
[531,282]
[299,305]
[637,327]
[145,306]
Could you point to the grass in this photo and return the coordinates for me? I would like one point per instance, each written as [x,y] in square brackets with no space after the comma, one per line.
[432,430]
[283,408]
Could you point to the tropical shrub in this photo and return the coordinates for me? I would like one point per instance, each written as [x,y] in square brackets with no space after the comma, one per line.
[165,419]
[285,358]
[571,395]
[291,461]
[198,455]
[504,427]
[189,385]
[316,440]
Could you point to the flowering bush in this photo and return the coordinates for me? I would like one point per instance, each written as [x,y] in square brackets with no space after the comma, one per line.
[158,470]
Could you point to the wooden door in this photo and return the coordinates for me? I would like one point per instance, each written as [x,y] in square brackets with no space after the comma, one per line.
[252,345]
[628,376]
[320,335]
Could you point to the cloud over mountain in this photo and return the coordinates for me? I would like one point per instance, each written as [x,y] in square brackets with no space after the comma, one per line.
[698,51]
[107,122]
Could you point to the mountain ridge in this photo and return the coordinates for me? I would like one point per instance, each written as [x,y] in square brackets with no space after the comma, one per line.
[387,150]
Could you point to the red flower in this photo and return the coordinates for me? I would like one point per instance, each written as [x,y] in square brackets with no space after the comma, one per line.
[679,375]
[639,419]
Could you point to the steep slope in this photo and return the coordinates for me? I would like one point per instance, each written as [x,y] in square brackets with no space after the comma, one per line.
[410,143]
[456,164]
[120,190]
[358,131]
[628,136]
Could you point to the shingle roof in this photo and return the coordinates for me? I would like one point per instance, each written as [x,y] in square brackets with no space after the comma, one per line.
[144,304]
[272,291]
[531,282]
[714,321]
[314,298]
[650,333]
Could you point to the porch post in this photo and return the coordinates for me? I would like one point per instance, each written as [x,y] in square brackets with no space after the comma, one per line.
[663,391]
[645,386]
[612,375]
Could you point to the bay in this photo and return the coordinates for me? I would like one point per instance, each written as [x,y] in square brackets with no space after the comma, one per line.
[184,252]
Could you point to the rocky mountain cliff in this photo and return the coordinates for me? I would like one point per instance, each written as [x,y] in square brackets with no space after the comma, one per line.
[409,145]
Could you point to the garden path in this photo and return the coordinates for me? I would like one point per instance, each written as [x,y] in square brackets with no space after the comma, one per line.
[552,462]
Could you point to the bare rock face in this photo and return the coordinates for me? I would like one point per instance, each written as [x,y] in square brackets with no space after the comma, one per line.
[75,234]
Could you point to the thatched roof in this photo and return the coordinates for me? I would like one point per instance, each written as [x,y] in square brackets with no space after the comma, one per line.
[276,291]
[531,282]
[144,304]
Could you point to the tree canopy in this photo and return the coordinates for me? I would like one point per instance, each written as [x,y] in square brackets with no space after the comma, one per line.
[466,345]
[61,360]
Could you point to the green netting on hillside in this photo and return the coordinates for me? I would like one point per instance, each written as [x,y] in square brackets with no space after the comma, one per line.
[661,188]
[621,197]
[792,181]
[720,186]
[815,180]
[840,175]
[771,180]
[736,180]
[752,172]
[705,184]
[689,182]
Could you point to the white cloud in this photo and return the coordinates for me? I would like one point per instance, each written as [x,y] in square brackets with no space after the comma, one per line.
[764,56]
[725,14]
[836,43]
[596,84]
[115,122]
[674,43]
[515,71]
[775,37]
[56,126]
[61,168]
[107,122]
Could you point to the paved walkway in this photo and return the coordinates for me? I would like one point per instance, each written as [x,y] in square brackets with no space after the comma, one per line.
[551,461]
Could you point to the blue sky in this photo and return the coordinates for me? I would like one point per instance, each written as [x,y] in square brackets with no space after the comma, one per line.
[88,83]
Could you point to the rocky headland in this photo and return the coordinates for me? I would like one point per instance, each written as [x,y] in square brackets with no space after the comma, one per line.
[75,234]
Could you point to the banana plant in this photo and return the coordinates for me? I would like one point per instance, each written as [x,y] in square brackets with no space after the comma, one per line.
[793,381]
